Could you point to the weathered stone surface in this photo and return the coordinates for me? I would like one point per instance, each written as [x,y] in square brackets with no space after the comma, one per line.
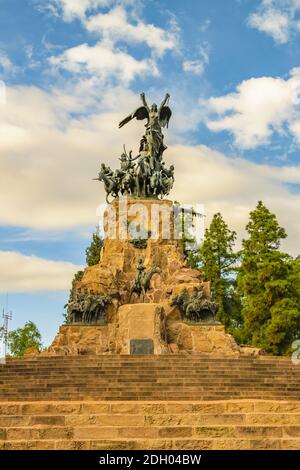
[74,340]
[116,270]
[31,352]
[72,445]
[151,425]
[277,407]
[209,339]
[251,351]
[95,432]
[141,321]
[273,418]
[193,444]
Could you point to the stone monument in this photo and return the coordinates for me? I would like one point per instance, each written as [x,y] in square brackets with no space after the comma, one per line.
[142,297]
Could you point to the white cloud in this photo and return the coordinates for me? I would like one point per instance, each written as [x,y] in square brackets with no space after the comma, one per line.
[31,62]
[115,26]
[20,273]
[193,66]
[295,129]
[259,107]
[277,18]
[205,25]
[272,22]
[2,92]
[103,61]
[6,65]
[198,65]
[72,9]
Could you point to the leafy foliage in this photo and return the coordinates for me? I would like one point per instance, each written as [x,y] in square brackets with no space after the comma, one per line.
[269,284]
[217,261]
[23,338]
[93,251]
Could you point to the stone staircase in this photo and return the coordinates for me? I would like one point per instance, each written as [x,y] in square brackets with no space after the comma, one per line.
[212,425]
[165,377]
[149,402]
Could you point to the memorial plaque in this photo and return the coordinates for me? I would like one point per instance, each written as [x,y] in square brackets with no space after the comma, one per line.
[141,346]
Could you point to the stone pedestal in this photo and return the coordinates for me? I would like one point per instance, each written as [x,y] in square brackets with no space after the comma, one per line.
[145,329]
[154,327]
[117,268]
[141,322]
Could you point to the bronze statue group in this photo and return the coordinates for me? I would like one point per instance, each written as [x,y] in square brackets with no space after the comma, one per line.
[88,308]
[145,175]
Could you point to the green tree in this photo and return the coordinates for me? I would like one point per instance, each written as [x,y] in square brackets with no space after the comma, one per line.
[22,338]
[217,261]
[93,251]
[268,282]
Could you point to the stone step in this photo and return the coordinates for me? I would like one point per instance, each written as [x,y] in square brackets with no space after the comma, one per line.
[141,397]
[152,378]
[122,371]
[151,373]
[148,387]
[150,363]
[138,389]
[146,408]
[235,424]
[193,419]
[133,369]
[139,383]
[155,444]
[122,385]
[151,367]
[275,380]
[80,432]
[165,357]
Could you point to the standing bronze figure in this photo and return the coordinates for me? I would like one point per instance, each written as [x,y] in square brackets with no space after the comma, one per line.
[157,118]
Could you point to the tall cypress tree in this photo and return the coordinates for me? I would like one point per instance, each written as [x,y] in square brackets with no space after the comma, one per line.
[93,251]
[268,281]
[218,263]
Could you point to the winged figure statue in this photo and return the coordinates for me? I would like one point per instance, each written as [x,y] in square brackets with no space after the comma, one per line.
[157,118]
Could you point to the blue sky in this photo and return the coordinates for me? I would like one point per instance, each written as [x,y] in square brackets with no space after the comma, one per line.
[73,68]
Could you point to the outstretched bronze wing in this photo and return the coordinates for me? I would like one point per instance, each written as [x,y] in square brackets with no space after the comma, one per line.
[140,113]
[165,116]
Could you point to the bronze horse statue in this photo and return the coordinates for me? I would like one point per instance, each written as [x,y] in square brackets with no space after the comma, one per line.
[141,283]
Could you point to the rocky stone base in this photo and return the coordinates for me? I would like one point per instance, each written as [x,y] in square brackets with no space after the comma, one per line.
[208,339]
[144,322]
[79,340]
[119,257]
